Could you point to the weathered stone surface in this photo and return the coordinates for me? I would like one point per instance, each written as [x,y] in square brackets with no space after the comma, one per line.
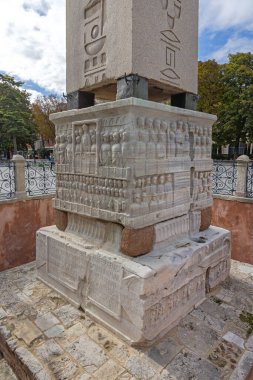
[206,218]
[27,331]
[6,372]
[137,242]
[226,356]
[88,353]
[196,335]
[233,338]
[46,359]
[61,220]
[46,321]
[188,365]
[164,352]
[67,314]
[54,331]
[249,343]
[109,371]
[140,368]
[49,350]
[244,367]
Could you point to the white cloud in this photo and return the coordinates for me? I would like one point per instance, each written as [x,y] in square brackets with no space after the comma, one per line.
[233,45]
[34,94]
[32,41]
[218,15]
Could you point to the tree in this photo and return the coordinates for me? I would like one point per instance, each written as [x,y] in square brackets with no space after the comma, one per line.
[236,111]
[211,87]
[227,91]
[16,122]
[42,108]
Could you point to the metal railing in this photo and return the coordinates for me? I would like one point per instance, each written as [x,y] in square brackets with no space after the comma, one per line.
[224,177]
[229,178]
[249,180]
[7,180]
[39,178]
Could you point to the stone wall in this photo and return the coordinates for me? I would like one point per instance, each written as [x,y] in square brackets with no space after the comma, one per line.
[235,214]
[19,221]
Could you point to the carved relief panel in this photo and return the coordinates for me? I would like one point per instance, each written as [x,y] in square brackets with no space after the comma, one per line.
[132,168]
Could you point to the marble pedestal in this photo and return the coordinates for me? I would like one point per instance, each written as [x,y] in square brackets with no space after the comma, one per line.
[141,298]
[134,178]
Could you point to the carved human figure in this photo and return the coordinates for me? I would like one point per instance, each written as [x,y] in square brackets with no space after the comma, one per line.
[153,205]
[195,185]
[179,139]
[151,145]
[62,149]
[116,150]
[172,139]
[136,205]
[209,142]
[197,147]
[127,149]
[161,141]
[106,151]
[186,140]
[202,138]
[69,149]
[85,139]
[141,148]
[56,149]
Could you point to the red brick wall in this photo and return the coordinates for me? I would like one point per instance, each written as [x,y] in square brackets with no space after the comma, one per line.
[19,221]
[237,217]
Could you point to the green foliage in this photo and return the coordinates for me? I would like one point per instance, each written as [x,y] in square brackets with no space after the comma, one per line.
[42,108]
[16,122]
[227,91]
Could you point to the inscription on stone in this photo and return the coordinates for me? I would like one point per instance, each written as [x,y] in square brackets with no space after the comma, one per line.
[104,285]
[65,264]
[169,306]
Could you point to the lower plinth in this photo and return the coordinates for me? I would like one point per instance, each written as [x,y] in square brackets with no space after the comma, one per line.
[139,299]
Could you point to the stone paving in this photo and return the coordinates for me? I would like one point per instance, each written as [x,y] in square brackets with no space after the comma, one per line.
[43,337]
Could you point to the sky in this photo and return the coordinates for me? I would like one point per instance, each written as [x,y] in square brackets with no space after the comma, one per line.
[32,38]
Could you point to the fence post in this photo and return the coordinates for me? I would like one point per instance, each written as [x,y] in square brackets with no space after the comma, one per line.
[19,163]
[242,168]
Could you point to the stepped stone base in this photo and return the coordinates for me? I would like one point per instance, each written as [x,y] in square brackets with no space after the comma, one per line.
[139,299]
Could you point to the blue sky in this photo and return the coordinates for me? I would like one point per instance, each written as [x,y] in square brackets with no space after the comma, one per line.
[32,38]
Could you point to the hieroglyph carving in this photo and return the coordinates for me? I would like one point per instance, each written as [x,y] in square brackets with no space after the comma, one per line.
[171,41]
[94,42]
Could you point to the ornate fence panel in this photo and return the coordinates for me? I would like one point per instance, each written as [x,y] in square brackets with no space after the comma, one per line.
[7,180]
[249,180]
[39,178]
[224,177]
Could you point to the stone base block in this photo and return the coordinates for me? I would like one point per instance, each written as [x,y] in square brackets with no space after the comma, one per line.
[142,298]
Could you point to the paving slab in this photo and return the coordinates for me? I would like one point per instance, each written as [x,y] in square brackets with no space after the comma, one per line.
[49,339]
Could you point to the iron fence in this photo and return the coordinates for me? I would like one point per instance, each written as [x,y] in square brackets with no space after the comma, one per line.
[224,177]
[249,180]
[39,178]
[7,180]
